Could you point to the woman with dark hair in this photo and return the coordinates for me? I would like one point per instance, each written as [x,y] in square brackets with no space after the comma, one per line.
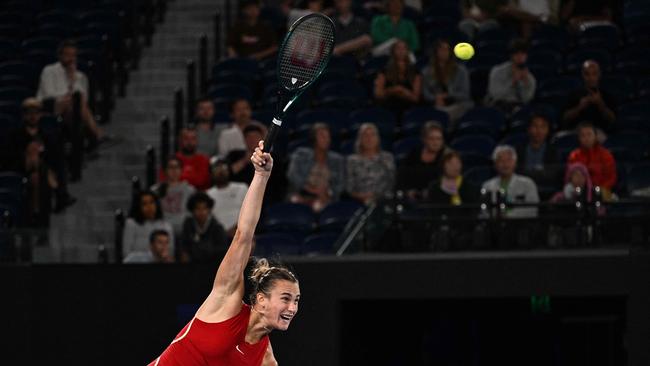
[451,189]
[145,217]
[446,83]
[174,193]
[225,330]
[398,87]
[203,238]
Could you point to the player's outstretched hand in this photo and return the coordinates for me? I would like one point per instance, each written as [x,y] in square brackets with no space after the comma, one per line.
[262,161]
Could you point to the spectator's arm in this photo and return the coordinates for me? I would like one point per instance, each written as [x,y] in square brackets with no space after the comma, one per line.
[45,85]
[361,42]
[416,89]
[497,88]
[528,87]
[380,86]
[298,171]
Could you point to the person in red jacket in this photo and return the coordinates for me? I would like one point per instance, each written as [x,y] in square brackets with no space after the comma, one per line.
[225,331]
[598,160]
[196,166]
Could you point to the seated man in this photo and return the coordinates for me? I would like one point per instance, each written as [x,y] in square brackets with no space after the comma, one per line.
[249,37]
[196,166]
[537,158]
[599,161]
[208,132]
[203,239]
[590,102]
[232,138]
[517,188]
[511,83]
[228,196]
[352,32]
[158,250]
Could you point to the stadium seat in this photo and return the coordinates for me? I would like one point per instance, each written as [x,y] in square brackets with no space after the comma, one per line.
[12,182]
[336,215]
[16,94]
[420,115]
[345,94]
[565,142]
[336,119]
[271,244]
[483,128]
[478,175]
[600,36]
[638,177]
[224,95]
[345,64]
[545,57]
[491,115]
[514,139]
[244,66]
[321,243]
[471,160]
[384,119]
[288,217]
[550,37]
[476,144]
[620,86]
[628,145]
[402,147]
[575,59]
[556,90]
[494,34]
[486,60]
[479,78]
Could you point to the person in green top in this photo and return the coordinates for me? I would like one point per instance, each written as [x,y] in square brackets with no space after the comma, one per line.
[392,25]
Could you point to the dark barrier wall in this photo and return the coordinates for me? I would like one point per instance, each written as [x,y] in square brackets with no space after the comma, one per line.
[127,314]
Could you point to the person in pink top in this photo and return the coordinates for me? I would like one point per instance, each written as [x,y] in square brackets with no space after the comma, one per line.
[225,331]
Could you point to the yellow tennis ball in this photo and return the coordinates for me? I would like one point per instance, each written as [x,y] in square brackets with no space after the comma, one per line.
[464,51]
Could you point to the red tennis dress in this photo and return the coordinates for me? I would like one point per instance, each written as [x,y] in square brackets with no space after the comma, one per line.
[214,344]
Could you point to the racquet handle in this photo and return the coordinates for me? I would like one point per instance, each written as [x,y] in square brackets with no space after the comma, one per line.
[272,135]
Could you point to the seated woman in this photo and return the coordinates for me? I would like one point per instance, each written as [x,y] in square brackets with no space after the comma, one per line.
[399,86]
[145,217]
[446,82]
[316,174]
[174,193]
[451,189]
[370,171]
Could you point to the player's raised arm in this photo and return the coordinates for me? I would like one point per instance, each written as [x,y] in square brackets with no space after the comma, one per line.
[230,277]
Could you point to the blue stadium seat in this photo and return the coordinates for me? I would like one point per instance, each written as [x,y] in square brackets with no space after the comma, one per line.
[336,215]
[270,244]
[479,82]
[58,17]
[345,64]
[486,60]
[494,34]
[471,160]
[620,86]
[476,144]
[514,139]
[638,177]
[628,145]
[402,147]
[16,94]
[14,204]
[638,111]
[43,43]
[12,182]
[637,29]
[19,72]
[224,95]
[336,119]
[492,46]
[478,175]
[288,217]
[345,94]
[384,119]
[484,128]
[632,60]
[491,115]
[556,90]
[550,37]
[55,30]
[565,142]
[240,65]
[600,36]
[373,66]
[421,115]
[321,243]
[545,57]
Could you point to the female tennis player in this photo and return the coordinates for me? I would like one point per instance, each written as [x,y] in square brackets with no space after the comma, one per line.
[225,331]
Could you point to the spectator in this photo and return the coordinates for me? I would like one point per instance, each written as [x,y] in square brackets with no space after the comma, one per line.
[370,171]
[478,16]
[239,160]
[196,166]
[524,15]
[249,37]
[388,28]
[311,6]
[352,32]
[510,83]
[316,174]
[228,196]
[158,250]
[423,165]
[590,103]
[232,138]
[51,146]
[598,160]
[145,217]
[446,82]
[399,86]
[203,238]
[59,81]
[581,14]
[173,194]
[577,185]
[41,181]
[537,158]
[451,188]
[516,188]
[208,132]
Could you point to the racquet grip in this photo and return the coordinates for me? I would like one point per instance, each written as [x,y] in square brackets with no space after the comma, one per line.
[271,136]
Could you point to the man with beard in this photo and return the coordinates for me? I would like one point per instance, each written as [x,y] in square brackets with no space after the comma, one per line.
[196,166]
[228,196]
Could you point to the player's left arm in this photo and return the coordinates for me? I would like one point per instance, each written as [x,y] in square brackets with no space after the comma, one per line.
[269,359]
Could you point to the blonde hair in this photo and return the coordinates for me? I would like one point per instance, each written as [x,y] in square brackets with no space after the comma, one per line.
[365,126]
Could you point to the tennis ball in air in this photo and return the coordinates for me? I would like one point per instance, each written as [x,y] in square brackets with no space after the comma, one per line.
[464,51]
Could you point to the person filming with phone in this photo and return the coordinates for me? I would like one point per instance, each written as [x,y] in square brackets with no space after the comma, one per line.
[590,102]
[511,83]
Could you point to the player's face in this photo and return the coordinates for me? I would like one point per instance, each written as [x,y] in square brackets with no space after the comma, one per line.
[282,304]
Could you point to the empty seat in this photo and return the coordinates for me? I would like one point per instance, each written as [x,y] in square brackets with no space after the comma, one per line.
[288,217]
[420,115]
[402,147]
[481,145]
[321,243]
[336,215]
[270,244]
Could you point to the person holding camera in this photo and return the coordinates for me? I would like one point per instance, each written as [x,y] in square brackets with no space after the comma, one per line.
[511,83]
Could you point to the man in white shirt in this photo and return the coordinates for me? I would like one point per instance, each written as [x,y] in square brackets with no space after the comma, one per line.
[59,81]
[517,188]
[228,196]
[232,138]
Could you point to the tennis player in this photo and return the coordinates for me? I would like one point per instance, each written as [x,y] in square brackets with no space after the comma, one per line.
[225,331]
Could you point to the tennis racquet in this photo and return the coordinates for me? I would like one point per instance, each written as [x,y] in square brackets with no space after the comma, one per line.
[303,56]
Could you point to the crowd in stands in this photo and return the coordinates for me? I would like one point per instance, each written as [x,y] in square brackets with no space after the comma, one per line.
[552,100]
[534,116]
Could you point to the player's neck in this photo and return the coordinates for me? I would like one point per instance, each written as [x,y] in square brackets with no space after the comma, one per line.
[256,327]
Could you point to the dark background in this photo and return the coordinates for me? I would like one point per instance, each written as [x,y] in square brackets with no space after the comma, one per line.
[472,309]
